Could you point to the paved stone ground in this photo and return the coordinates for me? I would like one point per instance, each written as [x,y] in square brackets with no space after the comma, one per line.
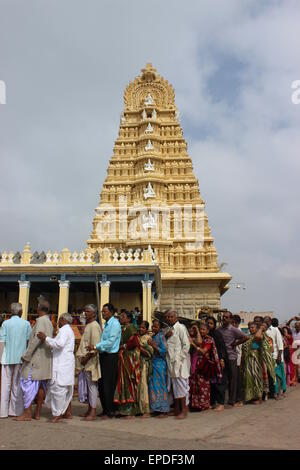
[272,425]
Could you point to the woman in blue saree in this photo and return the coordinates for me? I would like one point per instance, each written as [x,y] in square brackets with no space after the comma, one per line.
[158,390]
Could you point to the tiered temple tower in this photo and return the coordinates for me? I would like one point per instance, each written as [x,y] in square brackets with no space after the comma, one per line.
[151,197]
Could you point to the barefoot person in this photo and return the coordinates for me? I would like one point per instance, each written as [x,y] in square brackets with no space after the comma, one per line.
[15,333]
[60,388]
[205,366]
[218,385]
[178,360]
[129,369]
[232,337]
[158,383]
[37,365]
[109,354]
[88,362]
[255,352]
[274,333]
[295,331]
[146,352]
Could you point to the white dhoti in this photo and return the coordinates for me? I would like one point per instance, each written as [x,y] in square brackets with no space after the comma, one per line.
[61,386]
[12,403]
[92,390]
[58,397]
[178,388]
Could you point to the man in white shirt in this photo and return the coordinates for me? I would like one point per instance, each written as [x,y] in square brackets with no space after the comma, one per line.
[178,361]
[274,333]
[60,388]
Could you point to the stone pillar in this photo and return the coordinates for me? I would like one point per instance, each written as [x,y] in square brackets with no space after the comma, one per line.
[104,294]
[24,291]
[147,301]
[63,303]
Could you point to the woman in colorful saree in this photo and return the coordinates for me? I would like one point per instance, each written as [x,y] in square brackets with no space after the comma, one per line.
[126,394]
[288,352]
[205,366]
[218,385]
[255,352]
[146,354]
[158,383]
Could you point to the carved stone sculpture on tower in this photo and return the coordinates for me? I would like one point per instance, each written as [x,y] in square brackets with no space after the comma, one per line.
[149,166]
[144,115]
[149,191]
[149,101]
[149,129]
[149,146]
[149,221]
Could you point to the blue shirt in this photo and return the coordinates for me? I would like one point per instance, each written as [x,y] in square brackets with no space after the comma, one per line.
[15,333]
[111,337]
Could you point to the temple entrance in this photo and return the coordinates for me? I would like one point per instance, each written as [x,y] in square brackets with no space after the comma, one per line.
[9,293]
[50,291]
[126,295]
[81,294]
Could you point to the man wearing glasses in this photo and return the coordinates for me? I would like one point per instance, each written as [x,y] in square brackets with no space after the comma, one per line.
[108,348]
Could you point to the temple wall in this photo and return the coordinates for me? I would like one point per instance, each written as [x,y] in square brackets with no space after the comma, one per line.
[188,297]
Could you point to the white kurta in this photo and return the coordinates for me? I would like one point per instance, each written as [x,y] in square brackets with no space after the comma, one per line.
[60,388]
[178,352]
[274,333]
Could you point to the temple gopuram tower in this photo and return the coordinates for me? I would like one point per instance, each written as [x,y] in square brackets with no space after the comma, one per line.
[151,200]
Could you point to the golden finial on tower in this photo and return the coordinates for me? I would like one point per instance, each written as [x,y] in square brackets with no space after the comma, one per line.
[149,73]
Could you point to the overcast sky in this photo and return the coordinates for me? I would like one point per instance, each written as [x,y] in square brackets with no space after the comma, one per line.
[66,64]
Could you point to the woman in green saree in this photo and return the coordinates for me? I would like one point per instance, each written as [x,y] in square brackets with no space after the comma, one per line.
[146,370]
[129,368]
[255,352]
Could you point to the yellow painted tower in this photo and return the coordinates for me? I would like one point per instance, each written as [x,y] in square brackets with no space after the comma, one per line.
[151,197]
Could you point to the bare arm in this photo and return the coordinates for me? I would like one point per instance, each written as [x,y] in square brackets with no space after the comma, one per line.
[292,319]
[280,347]
[259,335]
[237,342]
[203,351]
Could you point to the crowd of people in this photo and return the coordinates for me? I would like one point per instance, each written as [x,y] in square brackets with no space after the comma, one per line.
[141,372]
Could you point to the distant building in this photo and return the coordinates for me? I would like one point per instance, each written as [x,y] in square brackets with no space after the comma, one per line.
[246,317]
